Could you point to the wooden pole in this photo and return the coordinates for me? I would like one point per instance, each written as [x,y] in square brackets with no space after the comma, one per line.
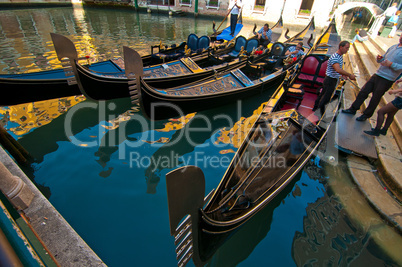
[225,17]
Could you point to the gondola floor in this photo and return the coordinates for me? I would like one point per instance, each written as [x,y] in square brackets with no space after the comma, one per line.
[306,107]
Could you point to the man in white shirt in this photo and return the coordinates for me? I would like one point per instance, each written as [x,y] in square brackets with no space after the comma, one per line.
[389,12]
[234,13]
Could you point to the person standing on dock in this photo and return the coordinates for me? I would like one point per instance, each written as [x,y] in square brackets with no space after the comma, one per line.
[389,12]
[333,73]
[380,82]
[390,110]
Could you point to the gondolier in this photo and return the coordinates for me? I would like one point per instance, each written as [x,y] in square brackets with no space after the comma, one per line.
[333,73]
[234,14]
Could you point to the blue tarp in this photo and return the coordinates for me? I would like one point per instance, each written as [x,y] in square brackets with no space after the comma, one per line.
[225,35]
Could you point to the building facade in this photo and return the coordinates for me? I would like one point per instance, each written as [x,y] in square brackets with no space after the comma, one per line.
[293,11]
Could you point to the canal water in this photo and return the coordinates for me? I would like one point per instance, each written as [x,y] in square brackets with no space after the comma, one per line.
[103,165]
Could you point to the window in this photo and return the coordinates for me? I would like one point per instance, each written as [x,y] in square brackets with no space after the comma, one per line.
[185,3]
[213,4]
[305,7]
[161,2]
[259,5]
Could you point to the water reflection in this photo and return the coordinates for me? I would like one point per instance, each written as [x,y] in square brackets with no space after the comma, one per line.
[331,236]
[27,47]
[23,118]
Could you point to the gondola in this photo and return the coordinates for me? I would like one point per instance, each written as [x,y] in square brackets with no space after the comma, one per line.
[280,142]
[226,87]
[103,86]
[252,77]
[43,85]
[306,35]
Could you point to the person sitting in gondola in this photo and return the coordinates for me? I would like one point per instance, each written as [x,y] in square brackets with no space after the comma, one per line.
[264,35]
[295,51]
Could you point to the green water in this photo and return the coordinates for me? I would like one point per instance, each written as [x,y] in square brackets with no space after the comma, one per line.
[103,165]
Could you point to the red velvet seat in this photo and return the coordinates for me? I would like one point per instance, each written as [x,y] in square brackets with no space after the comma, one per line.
[309,69]
[312,72]
[321,73]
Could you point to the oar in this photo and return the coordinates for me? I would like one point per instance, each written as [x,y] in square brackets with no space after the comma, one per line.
[358,87]
[225,17]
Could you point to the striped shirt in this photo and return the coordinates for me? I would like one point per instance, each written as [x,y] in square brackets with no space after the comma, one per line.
[331,72]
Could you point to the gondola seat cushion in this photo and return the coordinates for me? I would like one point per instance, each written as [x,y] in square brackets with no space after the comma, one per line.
[251,45]
[321,73]
[192,42]
[240,42]
[309,69]
[203,43]
[277,50]
[296,92]
[312,72]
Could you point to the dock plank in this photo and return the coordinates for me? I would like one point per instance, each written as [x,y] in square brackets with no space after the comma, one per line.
[350,135]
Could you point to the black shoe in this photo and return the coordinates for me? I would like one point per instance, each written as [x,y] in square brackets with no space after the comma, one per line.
[383,131]
[373,132]
[362,118]
[349,111]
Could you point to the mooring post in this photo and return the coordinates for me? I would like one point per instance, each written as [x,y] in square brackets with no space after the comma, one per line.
[15,189]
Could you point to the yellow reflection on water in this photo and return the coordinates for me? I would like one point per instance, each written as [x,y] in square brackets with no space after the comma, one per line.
[33,115]
[238,132]
[177,124]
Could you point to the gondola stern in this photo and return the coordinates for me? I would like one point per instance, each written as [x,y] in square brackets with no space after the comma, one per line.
[134,70]
[185,193]
[65,48]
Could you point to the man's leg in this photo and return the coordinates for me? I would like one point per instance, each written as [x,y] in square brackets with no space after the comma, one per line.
[233,22]
[329,84]
[390,110]
[367,88]
[317,101]
[381,87]
[390,118]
